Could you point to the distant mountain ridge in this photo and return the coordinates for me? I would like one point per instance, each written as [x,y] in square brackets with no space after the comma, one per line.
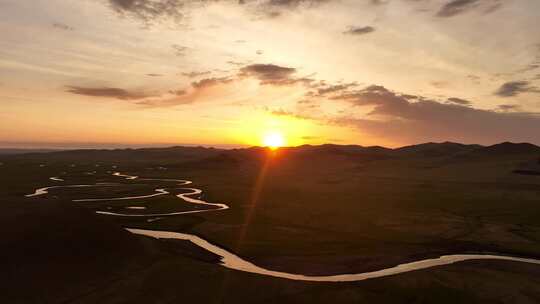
[510,148]
[426,150]
[432,149]
[11,151]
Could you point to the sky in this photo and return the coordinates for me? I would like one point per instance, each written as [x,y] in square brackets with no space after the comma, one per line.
[99,73]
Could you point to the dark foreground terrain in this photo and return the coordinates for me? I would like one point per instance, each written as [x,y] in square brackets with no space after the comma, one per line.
[311,210]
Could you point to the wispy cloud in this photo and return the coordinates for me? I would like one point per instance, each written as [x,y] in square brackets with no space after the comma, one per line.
[359,30]
[508,107]
[514,88]
[267,71]
[150,11]
[209,82]
[458,101]
[197,91]
[456,7]
[195,74]
[323,89]
[179,50]
[108,92]
[154,11]
[63,26]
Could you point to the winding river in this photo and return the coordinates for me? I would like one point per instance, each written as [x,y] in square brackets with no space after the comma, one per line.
[233,261]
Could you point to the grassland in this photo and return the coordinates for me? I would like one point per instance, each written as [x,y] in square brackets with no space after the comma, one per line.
[313,210]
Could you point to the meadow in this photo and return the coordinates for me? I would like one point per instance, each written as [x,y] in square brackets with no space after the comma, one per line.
[309,210]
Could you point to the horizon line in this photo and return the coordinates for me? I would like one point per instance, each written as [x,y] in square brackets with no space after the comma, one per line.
[109,146]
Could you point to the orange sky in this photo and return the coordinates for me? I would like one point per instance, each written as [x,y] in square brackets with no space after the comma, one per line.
[131,72]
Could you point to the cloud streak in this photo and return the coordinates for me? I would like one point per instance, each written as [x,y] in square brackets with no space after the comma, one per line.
[514,88]
[108,92]
[271,74]
[149,11]
[266,74]
[359,30]
[267,71]
[152,11]
[456,7]
[179,50]
[210,82]
[195,74]
[458,101]
[63,26]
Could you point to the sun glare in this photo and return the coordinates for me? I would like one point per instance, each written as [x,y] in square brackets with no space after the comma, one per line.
[273,140]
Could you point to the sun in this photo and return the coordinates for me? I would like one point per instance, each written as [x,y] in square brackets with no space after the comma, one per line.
[273,140]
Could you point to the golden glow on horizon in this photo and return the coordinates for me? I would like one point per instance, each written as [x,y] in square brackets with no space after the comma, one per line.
[255,126]
[230,79]
[273,140]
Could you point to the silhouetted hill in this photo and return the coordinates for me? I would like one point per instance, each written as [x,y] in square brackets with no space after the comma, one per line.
[201,156]
[508,148]
[172,154]
[343,150]
[435,149]
[11,151]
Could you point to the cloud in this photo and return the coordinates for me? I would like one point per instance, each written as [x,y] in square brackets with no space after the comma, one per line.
[194,74]
[514,88]
[474,79]
[271,74]
[198,91]
[330,89]
[379,2]
[267,71]
[530,67]
[493,7]
[439,84]
[267,74]
[294,3]
[106,92]
[209,82]
[152,11]
[359,30]
[178,92]
[535,64]
[179,50]
[269,9]
[404,118]
[508,107]
[148,11]
[237,63]
[282,112]
[63,26]
[385,101]
[459,101]
[456,7]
